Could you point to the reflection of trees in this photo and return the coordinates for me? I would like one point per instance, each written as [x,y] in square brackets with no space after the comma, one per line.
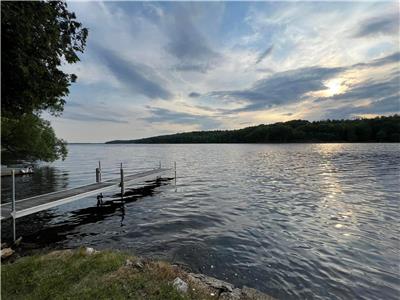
[46,179]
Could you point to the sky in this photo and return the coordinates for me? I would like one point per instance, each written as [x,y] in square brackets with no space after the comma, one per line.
[153,68]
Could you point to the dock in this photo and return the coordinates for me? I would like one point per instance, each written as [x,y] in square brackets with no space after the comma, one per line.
[27,206]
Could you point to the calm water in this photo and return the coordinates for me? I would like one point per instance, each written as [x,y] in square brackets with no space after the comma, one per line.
[298,221]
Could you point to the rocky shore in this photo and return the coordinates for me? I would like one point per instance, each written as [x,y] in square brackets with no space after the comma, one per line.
[118,276]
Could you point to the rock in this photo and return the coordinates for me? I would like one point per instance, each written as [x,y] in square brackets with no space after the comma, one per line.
[128,263]
[17,242]
[234,295]
[253,294]
[214,283]
[6,252]
[139,265]
[180,285]
[90,251]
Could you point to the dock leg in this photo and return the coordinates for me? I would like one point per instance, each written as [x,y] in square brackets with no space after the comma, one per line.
[13,212]
[175,172]
[99,171]
[122,183]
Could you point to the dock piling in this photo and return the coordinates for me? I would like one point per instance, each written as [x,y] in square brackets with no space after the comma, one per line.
[122,182]
[175,172]
[13,207]
[99,171]
[97,175]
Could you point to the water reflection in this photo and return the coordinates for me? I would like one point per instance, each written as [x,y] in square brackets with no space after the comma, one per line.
[45,233]
[46,179]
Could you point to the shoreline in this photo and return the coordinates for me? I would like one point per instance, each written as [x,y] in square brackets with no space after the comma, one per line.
[118,272]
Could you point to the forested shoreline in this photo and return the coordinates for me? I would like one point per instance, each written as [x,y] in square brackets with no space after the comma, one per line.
[379,129]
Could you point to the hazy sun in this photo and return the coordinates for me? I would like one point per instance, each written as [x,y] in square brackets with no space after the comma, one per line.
[334,87]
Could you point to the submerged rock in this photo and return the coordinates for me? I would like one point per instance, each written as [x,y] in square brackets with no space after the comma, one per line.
[180,285]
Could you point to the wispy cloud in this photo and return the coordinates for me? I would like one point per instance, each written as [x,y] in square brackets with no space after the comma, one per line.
[88,113]
[137,77]
[194,95]
[264,54]
[382,25]
[188,45]
[162,115]
[280,88]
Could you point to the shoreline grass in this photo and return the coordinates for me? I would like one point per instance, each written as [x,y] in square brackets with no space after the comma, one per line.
[75,274]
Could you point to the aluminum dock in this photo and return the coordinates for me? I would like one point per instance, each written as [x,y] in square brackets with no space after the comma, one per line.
[27,206]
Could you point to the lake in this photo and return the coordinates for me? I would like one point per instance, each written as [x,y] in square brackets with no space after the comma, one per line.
[297,221]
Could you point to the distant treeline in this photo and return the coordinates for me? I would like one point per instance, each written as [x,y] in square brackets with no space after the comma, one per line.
[379,129]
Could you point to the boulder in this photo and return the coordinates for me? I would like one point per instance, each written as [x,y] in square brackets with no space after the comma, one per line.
[180,285]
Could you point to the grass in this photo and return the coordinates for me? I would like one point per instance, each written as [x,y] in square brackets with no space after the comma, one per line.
[77,275]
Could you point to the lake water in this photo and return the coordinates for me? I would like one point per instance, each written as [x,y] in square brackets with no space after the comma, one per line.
[297,221]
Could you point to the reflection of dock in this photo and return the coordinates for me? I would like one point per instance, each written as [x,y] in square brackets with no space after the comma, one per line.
[24,207]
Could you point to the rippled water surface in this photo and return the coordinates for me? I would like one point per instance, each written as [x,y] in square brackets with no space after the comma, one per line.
[298,221]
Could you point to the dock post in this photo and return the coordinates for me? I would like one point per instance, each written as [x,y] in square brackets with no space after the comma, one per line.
[122,182]
[99,171]
[175,172]
[97,175]
[159,164]
[14,210]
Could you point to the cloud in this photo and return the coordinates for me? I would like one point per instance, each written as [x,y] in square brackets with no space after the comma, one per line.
[371,89]
[194,95]
[382,25]
[383,98]
[288,87]
[188,45]
[386,106]
[264,54]
[162,115]
[280,88]
[138,78]
[93,113]
[392,58]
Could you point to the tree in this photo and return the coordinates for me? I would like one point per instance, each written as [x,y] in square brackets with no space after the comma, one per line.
[30,138]
[37,38]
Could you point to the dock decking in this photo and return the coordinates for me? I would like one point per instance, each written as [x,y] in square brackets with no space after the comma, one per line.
[42,202]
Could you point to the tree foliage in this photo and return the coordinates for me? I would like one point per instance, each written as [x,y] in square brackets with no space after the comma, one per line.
[380,129]
[38,37]
[30,138]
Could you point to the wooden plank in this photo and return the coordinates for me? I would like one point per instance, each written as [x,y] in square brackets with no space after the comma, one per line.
[38,203]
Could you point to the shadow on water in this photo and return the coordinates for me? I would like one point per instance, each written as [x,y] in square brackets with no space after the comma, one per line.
[38,232]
